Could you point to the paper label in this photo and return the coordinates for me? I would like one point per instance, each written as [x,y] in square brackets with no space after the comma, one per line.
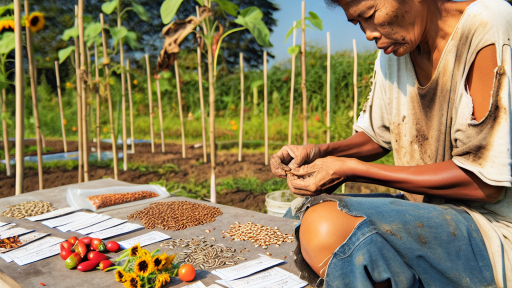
[27,238]
[247,268]
[267,278]
[14,232]
[53,214]
[7,227]
[38,255]
[101,226]
[118,230]
[80,224]
[146,239]
[2,224]
[67,219]
[198,284]
[31,248]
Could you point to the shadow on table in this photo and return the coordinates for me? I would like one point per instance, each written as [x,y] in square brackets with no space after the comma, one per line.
[200,275]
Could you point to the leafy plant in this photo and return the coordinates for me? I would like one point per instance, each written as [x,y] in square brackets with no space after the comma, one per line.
[315,22]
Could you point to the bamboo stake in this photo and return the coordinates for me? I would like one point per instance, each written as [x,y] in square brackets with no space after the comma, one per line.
[265,104]
[328,87]
[292,89]
[178,88]
[33,88]
[90,88]
[255,100]
[5,135]
[78,103]
[109,96]
[150,95]
[201,96]
[123,91]
[213,192]
[59,94]
[20,108]
[160,114]
[98,111]
[242,102]
[83,72]
[129,82]
[355,84]
[303,82]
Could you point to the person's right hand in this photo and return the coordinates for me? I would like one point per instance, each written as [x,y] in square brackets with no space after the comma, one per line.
[293,156]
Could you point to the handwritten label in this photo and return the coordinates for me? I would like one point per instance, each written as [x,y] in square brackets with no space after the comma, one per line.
[247,268]
[67,219]
[146,239]
[80,224]
[270,278]
[14,232]
[31,248]
[38,255]
[53,214]
[7,227]
[118,230]
[101,226]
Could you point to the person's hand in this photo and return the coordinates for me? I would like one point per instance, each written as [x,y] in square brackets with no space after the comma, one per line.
[291,157]
[325,175]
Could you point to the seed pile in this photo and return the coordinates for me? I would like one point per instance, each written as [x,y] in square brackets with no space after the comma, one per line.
[11,242]
[258,234]
[201,254]
[105,200]
[28,209]
[176,215]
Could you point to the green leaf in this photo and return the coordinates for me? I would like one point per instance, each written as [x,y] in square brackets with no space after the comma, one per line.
[256,84]
[92,30]
[218,47]
[139,9]
[118,33]
[6,8]
[294,50]
[7,43]
[131,40]
[64,53]
[201,2]
[109,7]
[3,83]
[228,7]
[251,18]
[315,20]
[70,33]
[169,9]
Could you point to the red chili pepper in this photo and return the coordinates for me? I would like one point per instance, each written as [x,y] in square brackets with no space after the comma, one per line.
[42,284]
[97,257]
[73,240]
[86,266]
[80,248]
[97,244]
[86,240]
[105,264]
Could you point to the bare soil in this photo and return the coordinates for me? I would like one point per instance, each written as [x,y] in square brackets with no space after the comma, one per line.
[191,168]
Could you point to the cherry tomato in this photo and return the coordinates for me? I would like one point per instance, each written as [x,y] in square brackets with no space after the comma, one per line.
[66,245]
[73,240]
[65,253]
[187,272]
[86,240]
[112,246]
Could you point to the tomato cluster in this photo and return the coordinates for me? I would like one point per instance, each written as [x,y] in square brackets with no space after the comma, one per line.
[74,251]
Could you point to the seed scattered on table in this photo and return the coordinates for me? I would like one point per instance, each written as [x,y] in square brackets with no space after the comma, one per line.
[105,200]
[258,234]
[176,215]
[28,209]
[11,242]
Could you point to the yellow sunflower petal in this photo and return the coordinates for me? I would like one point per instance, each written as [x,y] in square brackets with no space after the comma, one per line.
[35,21]
[121,276]
[144,266]
[135,250]
[132,281]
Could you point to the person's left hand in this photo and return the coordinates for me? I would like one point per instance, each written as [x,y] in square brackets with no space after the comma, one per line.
[325,175]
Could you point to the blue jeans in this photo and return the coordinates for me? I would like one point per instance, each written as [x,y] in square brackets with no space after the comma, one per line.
[412,244]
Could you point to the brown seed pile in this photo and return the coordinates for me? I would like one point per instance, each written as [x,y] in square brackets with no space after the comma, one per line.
[11,242]
[105,200]
[258,234]
[176,215]
[28,209]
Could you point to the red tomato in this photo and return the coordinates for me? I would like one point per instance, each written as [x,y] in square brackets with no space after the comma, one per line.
[73,240]
[66,245]
[86,240]
[65,253]
[96,256]
[187,272]
[112,246]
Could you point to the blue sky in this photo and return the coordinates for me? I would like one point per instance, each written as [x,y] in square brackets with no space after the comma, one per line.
[342,32]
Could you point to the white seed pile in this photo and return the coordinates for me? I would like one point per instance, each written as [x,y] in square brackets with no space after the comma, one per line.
[258,234]
[28,209]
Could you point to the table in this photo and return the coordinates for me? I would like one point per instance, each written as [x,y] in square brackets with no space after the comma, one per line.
[53,273]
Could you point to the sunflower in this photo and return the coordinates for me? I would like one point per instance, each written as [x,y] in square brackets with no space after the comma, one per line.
[135,250]
[144,266]
[121,276]
[168,261]
[161,280]
[159,261]
[35,21]
[6,25]
[132,281]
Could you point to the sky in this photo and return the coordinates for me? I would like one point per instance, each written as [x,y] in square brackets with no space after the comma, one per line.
[334,19]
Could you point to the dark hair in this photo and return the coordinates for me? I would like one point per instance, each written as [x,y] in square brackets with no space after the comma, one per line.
[333,3]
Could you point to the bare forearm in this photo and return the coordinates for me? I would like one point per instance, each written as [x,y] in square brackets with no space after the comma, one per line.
[359,146]
[444,179]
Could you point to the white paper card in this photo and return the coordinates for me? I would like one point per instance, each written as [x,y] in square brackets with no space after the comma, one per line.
[198,284]
[31,248]
[80,224]
[268,278]
[66,219]
[14,232]
[38,255]
[53,214]
[2,224]
[118,230]
[7,227]
[247,268]
[25,239]
[101,226]
[146,239]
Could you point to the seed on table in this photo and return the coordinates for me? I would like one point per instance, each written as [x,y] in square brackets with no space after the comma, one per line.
[214,239]
[207,231]
[284,256]
[269,254]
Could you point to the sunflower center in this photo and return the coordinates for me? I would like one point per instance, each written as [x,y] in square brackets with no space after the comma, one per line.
[34,21]
[134,282]
[158,262]
[135,251]
[143,266]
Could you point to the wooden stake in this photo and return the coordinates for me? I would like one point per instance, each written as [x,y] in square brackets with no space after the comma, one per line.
[59,94]
[78,103]
[123,91]
[109,97]
[355,84]
[178,88]
[160,114]
[255,100]
[328,87]
[129,82]
[98,106]
[292,89]
[303,82]
[211,86]
[83,72]
[5,135]
[150,95]
[20,108]
[265,93]
[33,88]
[90,89]
[242,102]
[201,96]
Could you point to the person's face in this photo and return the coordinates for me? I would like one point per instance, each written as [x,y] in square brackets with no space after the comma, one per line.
[396,26]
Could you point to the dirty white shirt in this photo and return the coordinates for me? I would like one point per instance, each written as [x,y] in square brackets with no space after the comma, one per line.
[435,123]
